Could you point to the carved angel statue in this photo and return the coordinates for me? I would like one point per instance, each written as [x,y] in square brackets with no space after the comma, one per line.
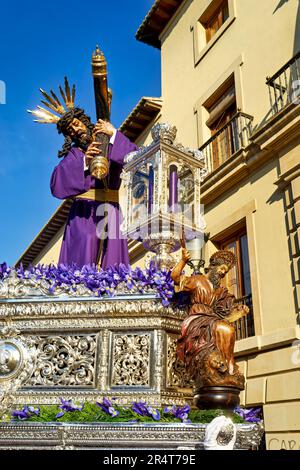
[207,336]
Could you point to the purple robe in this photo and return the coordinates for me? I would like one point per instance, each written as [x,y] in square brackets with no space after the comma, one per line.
[80,243]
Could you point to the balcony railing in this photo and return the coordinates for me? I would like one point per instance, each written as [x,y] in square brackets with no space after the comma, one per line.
[284,85]
[227,141]
[244,327]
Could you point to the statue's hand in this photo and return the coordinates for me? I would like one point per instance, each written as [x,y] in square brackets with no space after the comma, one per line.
[220,434]
[238,311]
[185,255]
[242,308]
[104,127]
[92,151]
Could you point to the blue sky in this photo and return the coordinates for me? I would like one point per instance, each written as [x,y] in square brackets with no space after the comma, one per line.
[40,44]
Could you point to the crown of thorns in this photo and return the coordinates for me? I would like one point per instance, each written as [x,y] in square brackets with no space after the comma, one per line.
[223,257]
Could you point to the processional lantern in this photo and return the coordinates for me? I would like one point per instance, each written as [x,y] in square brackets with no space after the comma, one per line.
[162,183]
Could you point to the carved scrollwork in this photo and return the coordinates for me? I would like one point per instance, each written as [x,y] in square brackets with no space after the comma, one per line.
[176,371]
[57,329]
[131,360]
[65,361]
[124,397]
[104,308]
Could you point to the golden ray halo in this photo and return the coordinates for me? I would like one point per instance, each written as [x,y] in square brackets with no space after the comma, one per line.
[52,102]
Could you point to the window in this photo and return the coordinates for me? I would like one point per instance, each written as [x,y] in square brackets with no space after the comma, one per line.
[222,107]
[238,280]
[215,17]
[216,20]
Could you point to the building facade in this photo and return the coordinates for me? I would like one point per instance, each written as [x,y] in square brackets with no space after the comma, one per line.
[231,85]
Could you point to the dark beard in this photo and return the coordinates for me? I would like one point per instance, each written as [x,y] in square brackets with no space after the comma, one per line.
[83,142]
[214,278]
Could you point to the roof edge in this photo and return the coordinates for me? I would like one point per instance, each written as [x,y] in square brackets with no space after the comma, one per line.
[153,24]
[150,106]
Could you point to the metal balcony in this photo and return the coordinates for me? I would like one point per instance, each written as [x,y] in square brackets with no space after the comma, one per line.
[244,327]
[231,138]
[284,85]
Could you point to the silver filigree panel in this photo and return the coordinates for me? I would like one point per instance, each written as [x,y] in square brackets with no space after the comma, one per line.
[176,372]
[65,361]
[130,359]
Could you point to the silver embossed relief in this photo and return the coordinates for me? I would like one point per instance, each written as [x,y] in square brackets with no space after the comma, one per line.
[10,359]
[65,361]
[131,359]
[17,361]
[176,372]
[46,436]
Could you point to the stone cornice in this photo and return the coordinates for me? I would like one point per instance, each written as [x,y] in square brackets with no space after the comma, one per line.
[267,341]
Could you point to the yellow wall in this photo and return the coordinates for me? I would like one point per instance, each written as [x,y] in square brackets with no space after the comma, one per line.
[50,254]
[263,38]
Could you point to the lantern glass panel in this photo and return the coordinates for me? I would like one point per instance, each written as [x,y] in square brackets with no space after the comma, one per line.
[186,186]
[142,194]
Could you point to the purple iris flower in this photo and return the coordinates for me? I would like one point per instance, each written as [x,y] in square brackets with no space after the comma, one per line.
[107,407]
[129,281]
[142,409]
[154,413]
[112,411]
[4,270]
[110,291]
[179,413]
[68,406]
[32,410]
[26,413]
[251,415]
[20,414]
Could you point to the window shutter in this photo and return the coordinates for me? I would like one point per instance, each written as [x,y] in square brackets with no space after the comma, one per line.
[217,109]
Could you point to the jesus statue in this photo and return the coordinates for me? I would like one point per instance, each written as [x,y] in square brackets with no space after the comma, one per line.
[92,233]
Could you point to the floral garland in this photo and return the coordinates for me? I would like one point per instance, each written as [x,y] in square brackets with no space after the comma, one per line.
[107,411]
[99,282]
